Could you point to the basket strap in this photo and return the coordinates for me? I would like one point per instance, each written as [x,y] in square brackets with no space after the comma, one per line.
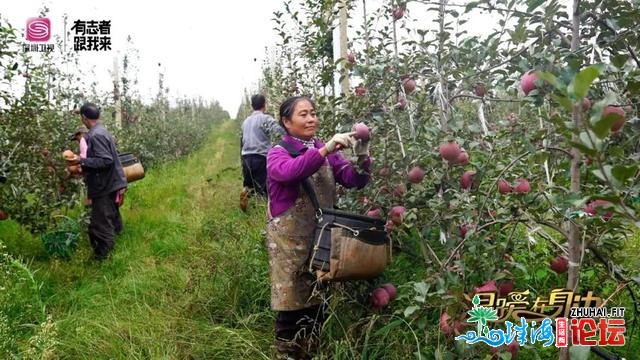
[316,247]
[306,183]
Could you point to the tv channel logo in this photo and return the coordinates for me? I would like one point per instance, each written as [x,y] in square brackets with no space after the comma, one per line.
[38,29]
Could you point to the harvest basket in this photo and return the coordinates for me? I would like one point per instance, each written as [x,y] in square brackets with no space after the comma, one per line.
[133,169]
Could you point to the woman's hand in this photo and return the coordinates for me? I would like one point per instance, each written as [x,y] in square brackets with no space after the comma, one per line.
[337,142]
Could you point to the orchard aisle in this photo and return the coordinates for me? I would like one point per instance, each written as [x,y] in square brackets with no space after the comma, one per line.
[188,279]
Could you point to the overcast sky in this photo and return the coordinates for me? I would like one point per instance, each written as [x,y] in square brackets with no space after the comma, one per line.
[211,49]
[206,48]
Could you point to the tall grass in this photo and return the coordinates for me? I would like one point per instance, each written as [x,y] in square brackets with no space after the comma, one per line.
[188,278]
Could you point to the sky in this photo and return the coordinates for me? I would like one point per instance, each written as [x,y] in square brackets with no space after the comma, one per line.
[214,50]
[206,48]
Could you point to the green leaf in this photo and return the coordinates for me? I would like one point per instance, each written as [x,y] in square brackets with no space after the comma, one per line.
[622,173]
[619,60]
[602,124]
[606,175]
[564,101]
[410,310]
[550,78]
[470,6]
[579,86]
[590,140]
[579,352]
[534,4]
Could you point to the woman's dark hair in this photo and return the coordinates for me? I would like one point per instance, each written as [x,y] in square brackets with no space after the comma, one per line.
[287,107]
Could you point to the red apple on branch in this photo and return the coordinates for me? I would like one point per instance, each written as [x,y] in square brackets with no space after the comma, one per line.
[595,207]
[396,215]
[463,158]
[522,186]
[528,81]
[361,131]
[397,13]
[409,85]
[390,289]
[560,264]
[504,187]
[618,113]
[489,286]
[415,175]
[466,182]
[450,150]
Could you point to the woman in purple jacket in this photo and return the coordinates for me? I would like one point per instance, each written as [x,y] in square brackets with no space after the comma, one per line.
[292,219]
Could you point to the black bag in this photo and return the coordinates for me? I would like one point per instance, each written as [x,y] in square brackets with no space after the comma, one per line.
[346,246]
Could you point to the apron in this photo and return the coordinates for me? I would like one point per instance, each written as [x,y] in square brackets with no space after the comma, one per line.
[289,242]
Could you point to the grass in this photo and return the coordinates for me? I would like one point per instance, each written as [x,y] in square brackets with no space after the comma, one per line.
[189,280]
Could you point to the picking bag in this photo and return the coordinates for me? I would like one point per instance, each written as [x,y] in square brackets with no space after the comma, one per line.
[346,246]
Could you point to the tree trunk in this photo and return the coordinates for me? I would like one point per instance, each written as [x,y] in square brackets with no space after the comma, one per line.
[575,246]
[344,46]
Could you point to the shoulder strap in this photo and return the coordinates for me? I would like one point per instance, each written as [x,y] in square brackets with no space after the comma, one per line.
[306,183]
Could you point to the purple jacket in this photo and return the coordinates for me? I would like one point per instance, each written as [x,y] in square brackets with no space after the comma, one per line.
[284,173]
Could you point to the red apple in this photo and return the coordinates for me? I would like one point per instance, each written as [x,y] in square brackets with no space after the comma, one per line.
[402,103]
[618,113]
[489,286]
[463,230]
[595,207]
[528,81]
[513,348]
[444,324]
[409,85]
[450,150]
[389,226]
[415,175]
[398,13]
[3,215]
[463,158]
[396,215]
[362,131]
[467,179]
[390,289]
[479,90]
[522,186]
[560,264]
[375,213]
[360,90]
[379,298]
[504,187]
[505,287]
[586,104]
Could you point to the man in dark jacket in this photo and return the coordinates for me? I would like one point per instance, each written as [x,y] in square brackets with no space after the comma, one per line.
[104,178]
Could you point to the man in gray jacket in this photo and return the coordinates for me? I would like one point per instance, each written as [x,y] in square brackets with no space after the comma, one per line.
[104,178]
[255,141]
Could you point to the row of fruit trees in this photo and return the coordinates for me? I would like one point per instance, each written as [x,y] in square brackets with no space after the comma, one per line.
[40,94]
[503,161]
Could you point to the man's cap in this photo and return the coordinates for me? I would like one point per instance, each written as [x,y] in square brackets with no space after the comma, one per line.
[81,130]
